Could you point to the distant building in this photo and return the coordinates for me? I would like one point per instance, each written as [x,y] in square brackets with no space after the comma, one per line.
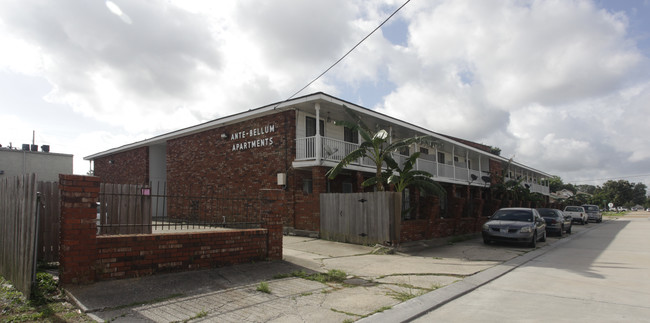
[28,160]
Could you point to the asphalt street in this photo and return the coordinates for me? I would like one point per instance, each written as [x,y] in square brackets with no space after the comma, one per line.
[601,276]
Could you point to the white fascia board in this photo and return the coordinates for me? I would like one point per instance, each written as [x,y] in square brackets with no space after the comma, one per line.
[239,117]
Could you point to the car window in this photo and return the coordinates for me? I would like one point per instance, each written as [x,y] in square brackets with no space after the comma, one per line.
[591,208]
[547,213]
[573,209]
[513,215]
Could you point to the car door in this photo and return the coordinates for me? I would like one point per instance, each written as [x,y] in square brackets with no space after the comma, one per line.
[540,224]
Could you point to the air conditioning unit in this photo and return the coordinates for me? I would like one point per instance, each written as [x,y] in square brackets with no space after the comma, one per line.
[26,147]
[34,147]
[45,148]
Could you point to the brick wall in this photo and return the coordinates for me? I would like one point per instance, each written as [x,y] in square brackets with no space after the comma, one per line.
[127,256]
[307,205]
[243,163]
[129,167]
[85,257]
[458,222]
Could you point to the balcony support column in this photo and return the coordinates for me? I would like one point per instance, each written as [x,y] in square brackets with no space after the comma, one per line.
[318,139]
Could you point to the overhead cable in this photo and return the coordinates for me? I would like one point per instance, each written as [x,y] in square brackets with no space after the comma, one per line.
[346,54]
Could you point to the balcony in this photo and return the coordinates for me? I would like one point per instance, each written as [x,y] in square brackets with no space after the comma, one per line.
[333,151]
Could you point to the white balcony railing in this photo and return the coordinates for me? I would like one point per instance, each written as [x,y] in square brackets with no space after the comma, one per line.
[335,150]
[532,186]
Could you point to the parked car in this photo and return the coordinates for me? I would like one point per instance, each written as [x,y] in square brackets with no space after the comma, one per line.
[515,225]
[556,221]
[577,213]
[593,213]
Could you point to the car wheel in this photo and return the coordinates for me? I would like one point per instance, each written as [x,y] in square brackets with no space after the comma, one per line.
[568,231]
[533,243]
[561,230]
[486,241]
[582,221]
[543,239]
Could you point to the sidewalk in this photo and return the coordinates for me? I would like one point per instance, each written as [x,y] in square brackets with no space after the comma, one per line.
[377,282]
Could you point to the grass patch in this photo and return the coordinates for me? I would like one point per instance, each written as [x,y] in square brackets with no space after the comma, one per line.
[47,303]
[198,315]
[407,294]
[332,276]
[264,288]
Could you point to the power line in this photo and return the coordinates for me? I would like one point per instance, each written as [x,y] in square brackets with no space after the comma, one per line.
[610,178]
[346,54]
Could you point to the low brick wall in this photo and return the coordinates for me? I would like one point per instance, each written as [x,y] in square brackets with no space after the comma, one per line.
[146,254]
[86,257]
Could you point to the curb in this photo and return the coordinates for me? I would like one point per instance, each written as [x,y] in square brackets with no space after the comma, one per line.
[421,305]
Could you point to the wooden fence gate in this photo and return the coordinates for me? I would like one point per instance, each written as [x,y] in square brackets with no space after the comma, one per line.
[48,228]
[361,218]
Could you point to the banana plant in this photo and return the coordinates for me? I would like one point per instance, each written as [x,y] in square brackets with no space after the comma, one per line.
[376,146]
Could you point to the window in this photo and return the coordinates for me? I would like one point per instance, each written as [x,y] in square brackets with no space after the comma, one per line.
[441,158]
[443,206]
[350,135]
[347,187]
[424,151]
[404,151]
[307,186]
[310,127]
[406,204]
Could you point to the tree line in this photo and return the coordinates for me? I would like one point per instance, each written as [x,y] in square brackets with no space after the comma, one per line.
[621,193]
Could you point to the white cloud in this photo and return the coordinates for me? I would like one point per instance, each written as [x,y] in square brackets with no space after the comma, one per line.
[539,79]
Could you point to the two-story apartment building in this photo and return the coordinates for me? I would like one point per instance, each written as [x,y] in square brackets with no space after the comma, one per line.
[290,145]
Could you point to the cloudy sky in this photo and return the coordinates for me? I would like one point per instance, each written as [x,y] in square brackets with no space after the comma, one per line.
[562,86]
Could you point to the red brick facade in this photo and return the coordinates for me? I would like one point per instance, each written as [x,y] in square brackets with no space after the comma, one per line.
[127,256]
[129,167]
[243,163]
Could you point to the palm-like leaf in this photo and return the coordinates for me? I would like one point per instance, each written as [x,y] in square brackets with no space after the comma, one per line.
[377,148]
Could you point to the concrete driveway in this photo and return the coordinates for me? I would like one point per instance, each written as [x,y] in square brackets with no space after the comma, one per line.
[375,282]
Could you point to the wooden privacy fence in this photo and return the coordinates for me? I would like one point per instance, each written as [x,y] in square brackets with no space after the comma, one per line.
[361,218]
[18,231]
[48,228]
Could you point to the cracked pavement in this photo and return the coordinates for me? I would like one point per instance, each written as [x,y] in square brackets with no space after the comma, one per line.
[229,294]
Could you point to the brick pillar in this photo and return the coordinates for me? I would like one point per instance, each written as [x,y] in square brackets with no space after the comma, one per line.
[319,179]
[78,235]
[273,204]
[359,181]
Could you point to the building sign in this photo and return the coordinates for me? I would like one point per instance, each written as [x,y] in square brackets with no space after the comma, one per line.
[253,138]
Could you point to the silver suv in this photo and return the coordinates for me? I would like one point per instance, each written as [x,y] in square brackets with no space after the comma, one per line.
[593,213]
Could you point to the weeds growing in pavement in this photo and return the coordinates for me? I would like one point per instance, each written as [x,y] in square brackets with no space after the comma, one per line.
[334,275]
[264,288]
